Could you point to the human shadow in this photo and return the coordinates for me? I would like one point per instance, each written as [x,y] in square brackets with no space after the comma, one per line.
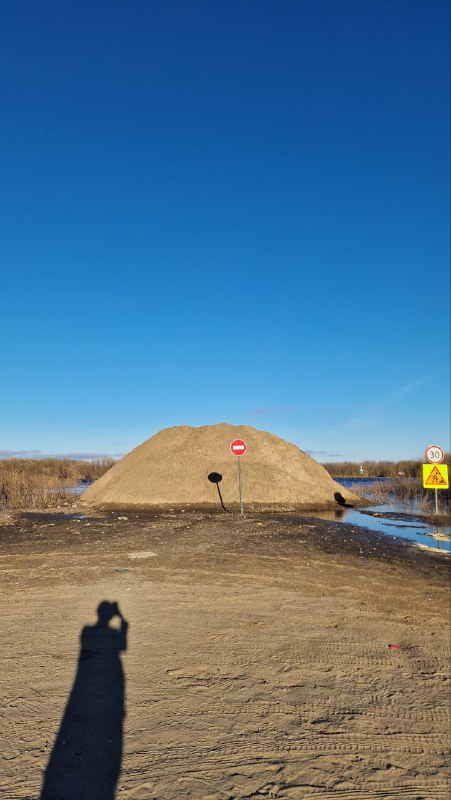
[86,758]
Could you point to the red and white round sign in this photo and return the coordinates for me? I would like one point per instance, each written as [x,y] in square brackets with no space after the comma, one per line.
[238,447]
[434,454]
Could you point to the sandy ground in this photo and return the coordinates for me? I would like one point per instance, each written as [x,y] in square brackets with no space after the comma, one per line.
[257,661]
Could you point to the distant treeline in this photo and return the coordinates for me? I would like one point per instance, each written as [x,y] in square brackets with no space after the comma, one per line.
[378,469]
[41,483]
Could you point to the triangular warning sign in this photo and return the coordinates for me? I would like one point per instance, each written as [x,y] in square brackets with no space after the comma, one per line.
[435,478]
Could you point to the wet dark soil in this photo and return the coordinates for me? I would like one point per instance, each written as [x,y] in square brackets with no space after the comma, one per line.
[186,536]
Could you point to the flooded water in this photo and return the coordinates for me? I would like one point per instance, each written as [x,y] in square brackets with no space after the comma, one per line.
[393,519]
[79,488]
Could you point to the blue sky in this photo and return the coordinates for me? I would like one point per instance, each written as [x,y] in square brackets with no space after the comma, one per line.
[225,211]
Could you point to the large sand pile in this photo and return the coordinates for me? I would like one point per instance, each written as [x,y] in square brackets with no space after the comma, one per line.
[172,468]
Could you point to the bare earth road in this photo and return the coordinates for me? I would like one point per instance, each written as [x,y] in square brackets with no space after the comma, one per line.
[256,663]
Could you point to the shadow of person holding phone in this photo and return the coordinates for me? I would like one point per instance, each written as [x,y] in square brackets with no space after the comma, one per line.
[86,758]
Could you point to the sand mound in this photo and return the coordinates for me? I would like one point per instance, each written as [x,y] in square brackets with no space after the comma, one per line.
[172,468]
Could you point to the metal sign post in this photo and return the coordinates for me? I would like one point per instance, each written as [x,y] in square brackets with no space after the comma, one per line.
[433,479]
[435,476]
[238,448]
[240,488]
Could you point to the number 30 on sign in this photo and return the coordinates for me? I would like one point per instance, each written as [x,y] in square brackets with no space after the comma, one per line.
[434,454]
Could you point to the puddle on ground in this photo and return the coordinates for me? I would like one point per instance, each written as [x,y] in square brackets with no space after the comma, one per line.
[403,520]
[422,533]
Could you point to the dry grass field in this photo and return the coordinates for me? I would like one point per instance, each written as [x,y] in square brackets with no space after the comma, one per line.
[44,482]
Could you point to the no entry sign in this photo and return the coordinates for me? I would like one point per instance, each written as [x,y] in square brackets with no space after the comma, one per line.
[238,447]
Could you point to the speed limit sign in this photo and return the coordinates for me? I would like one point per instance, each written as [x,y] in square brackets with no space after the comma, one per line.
[434,454]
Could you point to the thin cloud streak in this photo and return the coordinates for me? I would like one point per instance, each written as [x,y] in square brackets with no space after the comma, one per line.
[392,397]
[20,453]
[323,453]
[38,454]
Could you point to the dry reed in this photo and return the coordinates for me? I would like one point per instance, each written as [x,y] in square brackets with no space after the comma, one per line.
[378,469]
[406,490]
[44,483]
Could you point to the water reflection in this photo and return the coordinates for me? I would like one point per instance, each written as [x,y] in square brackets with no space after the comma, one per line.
[419,532]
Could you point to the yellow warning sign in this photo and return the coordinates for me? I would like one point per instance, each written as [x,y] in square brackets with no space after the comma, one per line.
[435,476]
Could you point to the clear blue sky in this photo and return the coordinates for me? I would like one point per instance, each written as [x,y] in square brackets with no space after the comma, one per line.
[225,211]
